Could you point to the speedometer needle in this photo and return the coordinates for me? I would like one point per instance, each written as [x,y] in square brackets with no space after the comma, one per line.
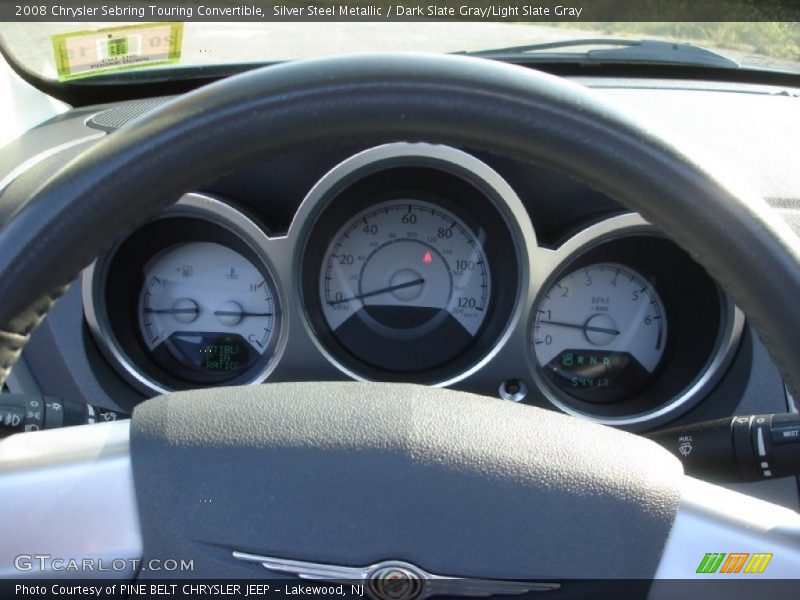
[583,327]
[391,288]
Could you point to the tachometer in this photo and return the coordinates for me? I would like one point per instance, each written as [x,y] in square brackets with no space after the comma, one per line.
[600,333]
[405,285]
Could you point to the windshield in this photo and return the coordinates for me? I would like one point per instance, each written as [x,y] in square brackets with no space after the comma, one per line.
[67,50]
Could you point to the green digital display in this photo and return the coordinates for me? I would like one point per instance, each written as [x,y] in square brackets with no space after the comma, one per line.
[209,354]
[596,376]
[592,370]
[223,357]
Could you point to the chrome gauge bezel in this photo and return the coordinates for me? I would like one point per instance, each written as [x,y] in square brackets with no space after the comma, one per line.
[557,262]
[301,353]
[497,192]
[211,210]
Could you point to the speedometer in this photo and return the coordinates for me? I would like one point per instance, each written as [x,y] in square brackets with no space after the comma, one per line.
[405,285]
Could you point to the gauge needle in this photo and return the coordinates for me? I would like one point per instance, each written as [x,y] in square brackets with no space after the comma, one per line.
[173,311]
[583,327]
[238,313]
[391,288]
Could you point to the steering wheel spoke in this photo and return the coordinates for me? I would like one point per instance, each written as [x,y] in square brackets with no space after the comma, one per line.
[85,470]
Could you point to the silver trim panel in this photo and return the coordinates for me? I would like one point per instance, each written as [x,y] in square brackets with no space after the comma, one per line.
[68,493]
[714,519]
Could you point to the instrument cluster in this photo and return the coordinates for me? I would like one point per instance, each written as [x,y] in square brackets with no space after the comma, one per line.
[418,263]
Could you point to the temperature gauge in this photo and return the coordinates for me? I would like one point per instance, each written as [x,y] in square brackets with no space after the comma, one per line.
[206,313]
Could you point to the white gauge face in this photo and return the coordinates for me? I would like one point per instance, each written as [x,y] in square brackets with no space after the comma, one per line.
[406,283]
[208,308]
[600,333]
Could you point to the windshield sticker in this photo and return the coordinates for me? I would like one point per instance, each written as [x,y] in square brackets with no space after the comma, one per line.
[99,52]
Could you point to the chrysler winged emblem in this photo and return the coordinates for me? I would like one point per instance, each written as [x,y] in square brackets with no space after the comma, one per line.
[397,580]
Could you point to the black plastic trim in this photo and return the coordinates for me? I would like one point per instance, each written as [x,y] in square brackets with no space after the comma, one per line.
[166,82]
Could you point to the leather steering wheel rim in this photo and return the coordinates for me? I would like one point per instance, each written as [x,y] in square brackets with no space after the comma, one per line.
[461,101]
[577,490]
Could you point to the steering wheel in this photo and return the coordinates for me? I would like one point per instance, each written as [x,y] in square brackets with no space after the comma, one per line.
[348,475]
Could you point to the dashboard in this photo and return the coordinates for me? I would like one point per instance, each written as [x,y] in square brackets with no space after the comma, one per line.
[419,263]
[414,262]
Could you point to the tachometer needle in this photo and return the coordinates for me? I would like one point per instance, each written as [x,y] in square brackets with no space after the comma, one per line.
[385,290]
[583,327]
[237,313]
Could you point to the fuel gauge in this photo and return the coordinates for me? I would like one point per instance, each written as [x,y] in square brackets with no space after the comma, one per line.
[206,313]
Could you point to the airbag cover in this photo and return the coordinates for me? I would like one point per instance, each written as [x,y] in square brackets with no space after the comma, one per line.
[355,473]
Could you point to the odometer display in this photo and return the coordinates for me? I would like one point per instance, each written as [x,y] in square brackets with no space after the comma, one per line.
[405,285]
